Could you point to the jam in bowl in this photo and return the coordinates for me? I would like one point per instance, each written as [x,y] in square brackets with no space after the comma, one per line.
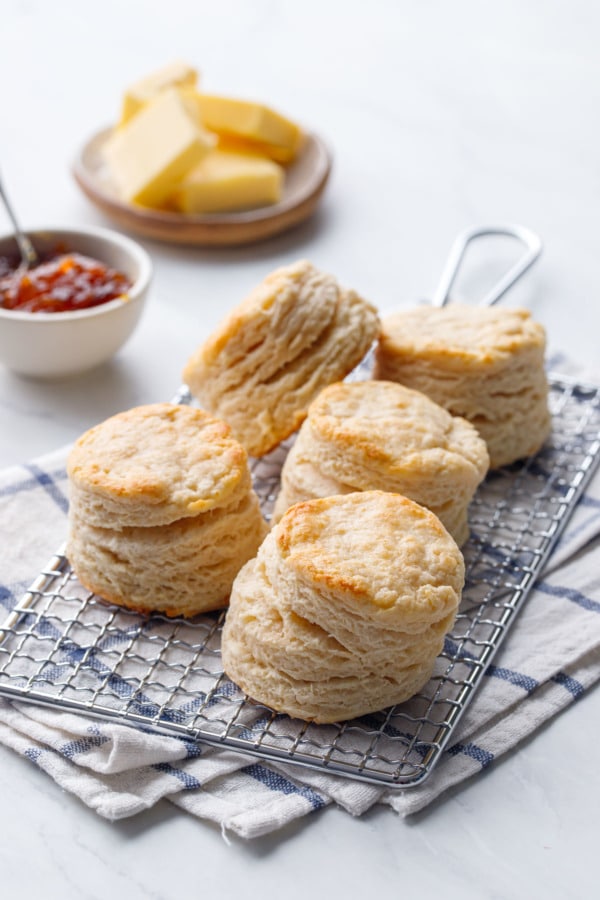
[60,282]
[77,306]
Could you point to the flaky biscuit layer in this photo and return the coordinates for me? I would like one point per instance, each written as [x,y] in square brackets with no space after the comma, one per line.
[298,331]
[183,568]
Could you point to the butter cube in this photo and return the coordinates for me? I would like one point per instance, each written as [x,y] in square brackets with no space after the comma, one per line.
[244,120]
[224,181]
[150,155]
[283,155]
[176,74]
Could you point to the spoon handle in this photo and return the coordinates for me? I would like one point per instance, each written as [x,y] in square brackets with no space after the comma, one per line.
[29,256]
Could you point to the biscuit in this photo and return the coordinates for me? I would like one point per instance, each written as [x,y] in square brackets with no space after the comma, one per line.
[162,514]
[295,333]
[483,363]
[301,479]
[154,464]
[344,609]
[379,435]
[181,569]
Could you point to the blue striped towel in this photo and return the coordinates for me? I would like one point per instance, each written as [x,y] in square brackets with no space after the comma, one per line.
[120,771]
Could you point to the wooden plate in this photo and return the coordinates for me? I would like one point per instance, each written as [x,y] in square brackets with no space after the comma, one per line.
[305,180]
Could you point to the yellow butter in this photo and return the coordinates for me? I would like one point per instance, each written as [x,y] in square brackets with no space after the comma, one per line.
[224,182]
[283,155]
[176,74]
[149,156]
[242,119]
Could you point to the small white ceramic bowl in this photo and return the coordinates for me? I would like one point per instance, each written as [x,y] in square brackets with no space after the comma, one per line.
[52,345]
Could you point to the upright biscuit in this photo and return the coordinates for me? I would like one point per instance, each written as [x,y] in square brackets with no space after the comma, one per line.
[162,515]
[344,609]
[483,363]
[379,435]
[295,333]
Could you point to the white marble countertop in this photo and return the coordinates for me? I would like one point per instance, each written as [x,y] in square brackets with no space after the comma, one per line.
[440,116]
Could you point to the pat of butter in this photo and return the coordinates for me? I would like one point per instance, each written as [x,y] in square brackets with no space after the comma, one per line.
[223,182]
[249,121]
[234,144]
[176,74]
[150,155]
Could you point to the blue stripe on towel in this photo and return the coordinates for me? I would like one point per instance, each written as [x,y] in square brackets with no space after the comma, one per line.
[591,520]
[33,753]
[193,749]
[452,648]
[82,745]
[570,684]
[45,480]
[483,757]
[32,483]
[188,781]
[282,785]
[7,598]
[569,594]
[526,682]
[586,500]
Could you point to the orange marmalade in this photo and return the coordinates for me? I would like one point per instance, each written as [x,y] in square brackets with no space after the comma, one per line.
[60,283]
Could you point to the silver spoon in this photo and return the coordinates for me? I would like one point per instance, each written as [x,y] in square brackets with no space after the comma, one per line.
[29,257]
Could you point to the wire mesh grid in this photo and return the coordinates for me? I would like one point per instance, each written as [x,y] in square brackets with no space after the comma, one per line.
[65,648]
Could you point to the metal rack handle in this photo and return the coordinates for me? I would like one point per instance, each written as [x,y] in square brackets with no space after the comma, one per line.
[531,241]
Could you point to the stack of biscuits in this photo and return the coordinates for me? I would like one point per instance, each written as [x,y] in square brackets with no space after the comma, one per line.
[483,363]
[344,610]
[297,332]
[378,435]
[162,513]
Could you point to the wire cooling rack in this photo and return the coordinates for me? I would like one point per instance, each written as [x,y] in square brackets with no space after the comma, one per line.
[65,648]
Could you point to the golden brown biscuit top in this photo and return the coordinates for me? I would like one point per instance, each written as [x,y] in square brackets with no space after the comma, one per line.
[162,454]
[392,426]
[297,299]
[378,548]
[478,334]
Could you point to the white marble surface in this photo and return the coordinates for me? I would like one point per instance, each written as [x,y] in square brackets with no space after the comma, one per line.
[440,116]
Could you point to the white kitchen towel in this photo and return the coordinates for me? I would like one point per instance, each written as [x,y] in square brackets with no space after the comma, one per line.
[119,771]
